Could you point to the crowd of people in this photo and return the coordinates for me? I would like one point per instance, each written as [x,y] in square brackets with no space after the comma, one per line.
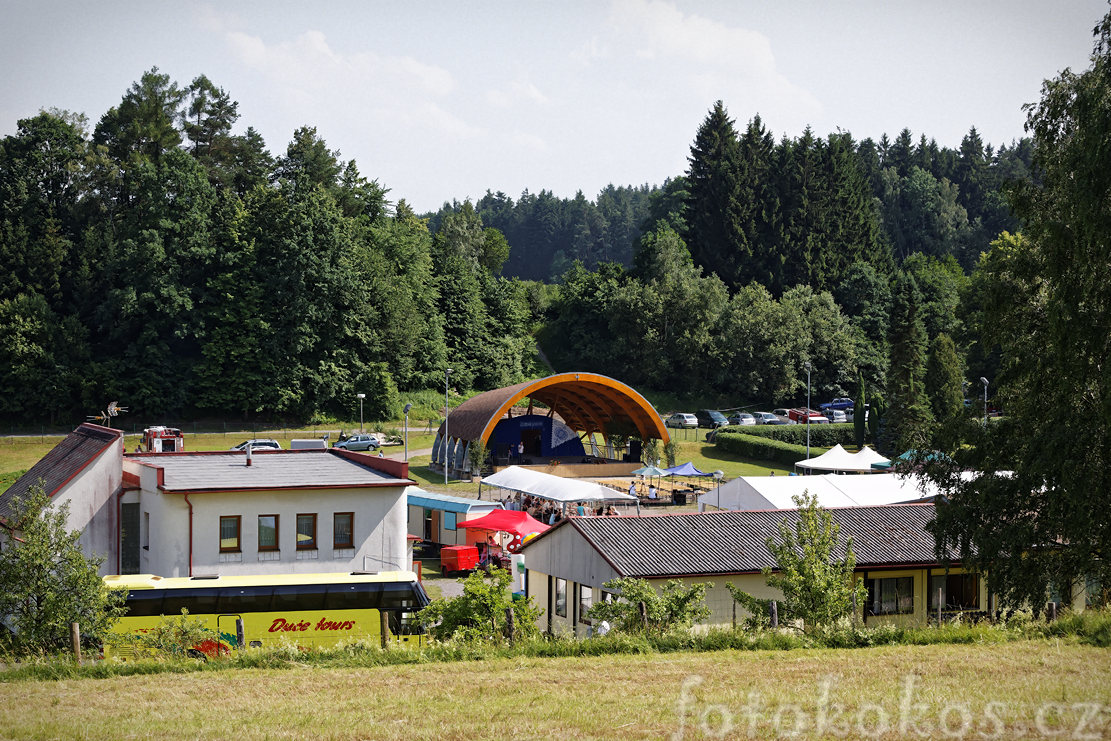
[550,512]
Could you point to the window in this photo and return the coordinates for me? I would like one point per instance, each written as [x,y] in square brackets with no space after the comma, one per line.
[891,596]
[958,592]
[268,532]
[146,531]
[586,601]
[306,532]
[229,533]
[451,521]
[343,530]
[561,597]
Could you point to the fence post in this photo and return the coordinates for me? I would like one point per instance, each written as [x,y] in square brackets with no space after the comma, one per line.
[774,609]
[939,607]
[385,628]
[643,615]
[510,628]
[734,614]
[1052,611]
[75,639]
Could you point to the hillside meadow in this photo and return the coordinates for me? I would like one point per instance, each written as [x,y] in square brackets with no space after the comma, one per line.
[1025,689]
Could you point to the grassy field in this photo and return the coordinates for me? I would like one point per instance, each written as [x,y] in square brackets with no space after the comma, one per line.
[1014,690]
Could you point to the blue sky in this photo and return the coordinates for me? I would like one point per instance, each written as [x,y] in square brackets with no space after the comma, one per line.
[443,100]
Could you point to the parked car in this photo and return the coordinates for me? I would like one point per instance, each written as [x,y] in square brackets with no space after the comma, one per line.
[836,416]
[800,414]
[839,403]
[783,415]
[681,419]
[711,418]
[259,444]
[741,418]
[764,418]
[358,442]
[313,443]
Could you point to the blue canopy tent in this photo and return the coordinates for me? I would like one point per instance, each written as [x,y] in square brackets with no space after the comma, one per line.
[687,469]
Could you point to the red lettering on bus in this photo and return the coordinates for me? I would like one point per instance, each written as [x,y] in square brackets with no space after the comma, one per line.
[326,624]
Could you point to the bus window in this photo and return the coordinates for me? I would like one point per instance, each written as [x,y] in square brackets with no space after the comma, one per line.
[298,597]
[352,596]
[144,603]
[198,601]
[234,600]
[402,595]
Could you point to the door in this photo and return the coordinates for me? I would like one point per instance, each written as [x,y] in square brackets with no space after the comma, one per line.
[226,626]
[129,538]
[531,440]
[437,521]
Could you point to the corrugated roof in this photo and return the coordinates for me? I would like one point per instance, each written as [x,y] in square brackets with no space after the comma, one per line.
[278,469]
[64,461]
[735,542]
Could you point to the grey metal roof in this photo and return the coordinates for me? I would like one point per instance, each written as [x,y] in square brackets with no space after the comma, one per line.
[278,469]
[64,461]
[735,542]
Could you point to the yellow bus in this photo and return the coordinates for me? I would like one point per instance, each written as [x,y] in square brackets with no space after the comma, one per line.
[308,610]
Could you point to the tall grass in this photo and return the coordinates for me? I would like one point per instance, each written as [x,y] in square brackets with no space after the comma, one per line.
[1088,628]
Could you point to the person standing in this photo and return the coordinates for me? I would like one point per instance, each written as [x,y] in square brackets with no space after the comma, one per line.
[520,452]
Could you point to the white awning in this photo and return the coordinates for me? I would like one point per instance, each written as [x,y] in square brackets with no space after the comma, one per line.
[555,488]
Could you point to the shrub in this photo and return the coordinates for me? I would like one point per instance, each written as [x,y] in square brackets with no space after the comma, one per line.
[676,608]
[821,436]
[479,613]
[751,446]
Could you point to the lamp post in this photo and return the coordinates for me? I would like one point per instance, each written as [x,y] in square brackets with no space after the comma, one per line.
[407,408]
[807,410]
[985,382]
[717,477]
[447,375]
[360,397]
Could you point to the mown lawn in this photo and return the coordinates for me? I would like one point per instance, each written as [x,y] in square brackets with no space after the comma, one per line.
[1003,691]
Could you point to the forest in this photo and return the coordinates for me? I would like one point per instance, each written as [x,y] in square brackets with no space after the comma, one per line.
[165,261]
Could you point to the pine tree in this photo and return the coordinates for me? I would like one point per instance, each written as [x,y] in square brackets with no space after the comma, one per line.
[716,234]
[909,422]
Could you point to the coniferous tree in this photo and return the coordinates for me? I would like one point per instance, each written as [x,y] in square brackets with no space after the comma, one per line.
[909,422]
[716,236]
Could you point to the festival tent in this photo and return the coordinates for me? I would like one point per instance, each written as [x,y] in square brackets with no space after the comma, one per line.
[650,471]
[506,521]
[838,459]
[554,488]
[687,469]
[831,490]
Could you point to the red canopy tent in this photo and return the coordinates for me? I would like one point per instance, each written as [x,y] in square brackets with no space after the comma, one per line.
[506,521]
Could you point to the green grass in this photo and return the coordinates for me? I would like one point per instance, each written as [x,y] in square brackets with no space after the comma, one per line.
[619,696]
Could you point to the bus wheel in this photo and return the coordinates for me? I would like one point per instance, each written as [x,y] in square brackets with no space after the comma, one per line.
[195,654]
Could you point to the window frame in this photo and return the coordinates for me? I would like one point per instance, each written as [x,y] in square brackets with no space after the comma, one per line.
[277,535]
[238,548]
[585,604]
[336,544]
[307,546]
[875,585]
[560,587]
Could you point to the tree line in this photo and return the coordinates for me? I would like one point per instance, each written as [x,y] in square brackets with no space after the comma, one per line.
[167,262]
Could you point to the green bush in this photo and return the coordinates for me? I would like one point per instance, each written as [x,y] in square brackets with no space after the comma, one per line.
[822,436]
[761,448]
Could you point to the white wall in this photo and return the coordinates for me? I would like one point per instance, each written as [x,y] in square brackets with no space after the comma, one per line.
[92,506]
[379,531]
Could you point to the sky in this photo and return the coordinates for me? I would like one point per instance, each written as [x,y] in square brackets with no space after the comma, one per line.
[442,101]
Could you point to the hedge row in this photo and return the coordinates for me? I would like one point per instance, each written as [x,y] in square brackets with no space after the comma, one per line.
[761,448]
[825,436]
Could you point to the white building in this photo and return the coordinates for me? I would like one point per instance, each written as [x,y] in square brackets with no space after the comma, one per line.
[286,512]
[185,514]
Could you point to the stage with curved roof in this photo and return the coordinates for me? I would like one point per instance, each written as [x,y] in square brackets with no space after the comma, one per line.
[586,402]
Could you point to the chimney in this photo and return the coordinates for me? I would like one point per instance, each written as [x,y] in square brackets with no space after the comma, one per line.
[248,455]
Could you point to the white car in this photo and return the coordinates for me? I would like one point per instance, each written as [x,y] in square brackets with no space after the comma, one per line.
[358,442]
[765,418]
[259,444]
[680,419]
[837,415]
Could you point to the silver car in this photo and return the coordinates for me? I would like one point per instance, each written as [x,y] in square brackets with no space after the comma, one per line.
[359,442]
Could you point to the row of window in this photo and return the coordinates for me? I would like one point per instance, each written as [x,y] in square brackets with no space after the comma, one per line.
[237,600]
[343,532]
[895,595]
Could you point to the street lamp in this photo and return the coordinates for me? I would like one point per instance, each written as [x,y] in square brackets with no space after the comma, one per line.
[717,477]
[447,375]
[985,382]
[360,397]
[407,408]
[807,410]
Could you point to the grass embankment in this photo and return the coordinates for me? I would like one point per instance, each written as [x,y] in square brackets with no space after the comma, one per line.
[991,690]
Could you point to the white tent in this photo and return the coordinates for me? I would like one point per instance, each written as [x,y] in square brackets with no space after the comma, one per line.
[777,492]
[840,460]
[555,488]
